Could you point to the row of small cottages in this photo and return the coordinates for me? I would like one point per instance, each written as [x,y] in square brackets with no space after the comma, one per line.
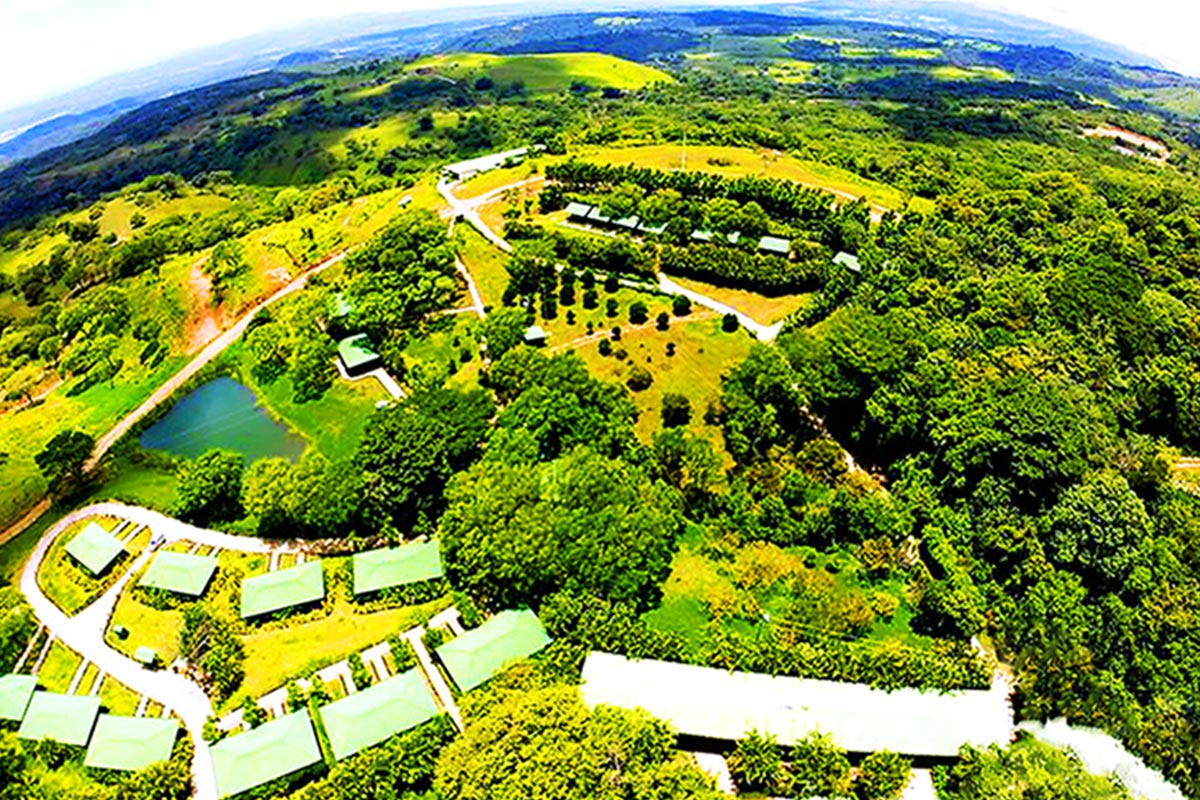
[584,214]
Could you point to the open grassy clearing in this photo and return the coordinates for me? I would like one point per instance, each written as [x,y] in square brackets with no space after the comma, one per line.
[274,656]
[949,72]
[738,161]
[155,628]
[439,351]
[916,53]
[58,668]
[485,262]
[760,308]
[522,197]
[493,179]
[546,71]
[790,70]
[119,212]
[703,353]
[39,249]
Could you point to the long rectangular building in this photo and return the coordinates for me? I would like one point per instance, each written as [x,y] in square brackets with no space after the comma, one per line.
[716,704]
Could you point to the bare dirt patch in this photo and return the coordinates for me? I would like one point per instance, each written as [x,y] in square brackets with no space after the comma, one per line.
[205,322]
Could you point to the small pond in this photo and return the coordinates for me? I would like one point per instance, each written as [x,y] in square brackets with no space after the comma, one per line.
[222,414]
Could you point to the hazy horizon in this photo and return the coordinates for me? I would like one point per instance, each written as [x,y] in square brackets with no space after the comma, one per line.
[60,46]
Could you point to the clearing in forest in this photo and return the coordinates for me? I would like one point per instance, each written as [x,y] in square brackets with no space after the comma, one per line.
[546,71]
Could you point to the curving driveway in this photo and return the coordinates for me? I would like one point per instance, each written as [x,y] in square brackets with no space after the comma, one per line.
[84,632]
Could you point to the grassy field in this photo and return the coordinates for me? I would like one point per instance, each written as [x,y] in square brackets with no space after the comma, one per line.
[916,53]
[738,161]
[119,212]
[274,656]
[760,308]
[58,668]
[948,72]
[155,628]
[117,698]
[790,70]
[547,71]
[494,179]
[485,263]
[703,353]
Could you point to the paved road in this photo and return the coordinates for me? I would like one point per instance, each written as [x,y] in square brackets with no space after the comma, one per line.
[466,209]
[84,632]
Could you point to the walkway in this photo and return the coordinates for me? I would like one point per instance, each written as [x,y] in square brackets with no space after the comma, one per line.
[84,632]
[382,375]
[441,689]
[467,210]
[764,333]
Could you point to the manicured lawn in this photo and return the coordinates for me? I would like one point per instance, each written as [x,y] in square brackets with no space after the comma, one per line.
[738,161]
[494,179]
[139,485]
[151,627]
[760,308]
[117,698]
[58,668]
[90,673]
[703,353]
[332,424]
[68,584]
[274,656]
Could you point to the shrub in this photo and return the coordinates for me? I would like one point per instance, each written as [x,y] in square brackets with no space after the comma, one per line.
[729,323]
[639,379]
[662,321]
[681,306]
[605,347]
[755,763]
[611,307]
[882,776]
[676,410]
[638,312]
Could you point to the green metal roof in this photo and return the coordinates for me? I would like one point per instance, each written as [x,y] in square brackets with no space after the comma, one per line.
[373,715]
[95,548]
[282,589]
[849,261]
[356,351]
[181,573]
[146,655]
[773,244]
[578,209]
[340,306]
[65,718]
[479,654]
[397,566]
[130,743]
[15,691]
[273,750]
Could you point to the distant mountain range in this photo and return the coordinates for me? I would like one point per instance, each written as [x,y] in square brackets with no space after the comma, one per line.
[27,131]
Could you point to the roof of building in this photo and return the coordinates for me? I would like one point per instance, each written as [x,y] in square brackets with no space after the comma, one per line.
[357,351]
[773,244]
[282,589]
[95,548]
[596,215]
[182,573]
[535,333]
[15,691]
[146,655]
[397,566]
[275,749]
[369,717]
[734,238]
[849,261]
[479,654]
[630,223]
[702,236]
[65,718]
[339,305]
[484,163]
[578,209]
[717,704]
[130,743]
[656,229]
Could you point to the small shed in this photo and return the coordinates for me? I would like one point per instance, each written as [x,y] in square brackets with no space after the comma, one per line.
[377,713]
[657,230]
[130,743]
[775,245]
[95,548]
[535,336]
[181,573]
[65,718]
[627,223]
[273,750]
[702,236]
[848,261]
[15,694]
[146,655]
[357,354]
[410,563]
[477,655]
[284,588]
[578,212]
[339,307]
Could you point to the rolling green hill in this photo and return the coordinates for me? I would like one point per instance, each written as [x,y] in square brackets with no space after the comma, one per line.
[545,72]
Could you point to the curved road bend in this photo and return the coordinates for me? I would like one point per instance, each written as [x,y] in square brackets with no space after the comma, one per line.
[84,632]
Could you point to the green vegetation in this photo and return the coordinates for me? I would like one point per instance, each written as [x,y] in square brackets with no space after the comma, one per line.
[545,72]
[1023,770]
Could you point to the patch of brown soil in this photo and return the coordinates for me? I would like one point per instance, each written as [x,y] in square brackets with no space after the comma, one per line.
[206,322]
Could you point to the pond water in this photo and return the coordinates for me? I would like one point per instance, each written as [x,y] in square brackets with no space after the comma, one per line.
[222,414]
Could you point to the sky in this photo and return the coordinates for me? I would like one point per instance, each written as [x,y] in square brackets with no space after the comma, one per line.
[51,46]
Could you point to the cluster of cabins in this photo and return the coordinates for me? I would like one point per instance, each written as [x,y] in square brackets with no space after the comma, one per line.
[288,744]
[112,742]
[584,214]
